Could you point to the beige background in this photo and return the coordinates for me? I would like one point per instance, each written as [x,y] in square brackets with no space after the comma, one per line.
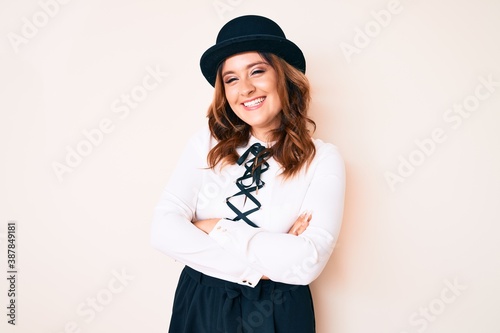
[401,249]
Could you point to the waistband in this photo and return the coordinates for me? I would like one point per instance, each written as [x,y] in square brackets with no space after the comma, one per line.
[234,294]
[210,281]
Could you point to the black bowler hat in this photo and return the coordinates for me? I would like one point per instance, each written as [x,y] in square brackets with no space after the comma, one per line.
[250,33]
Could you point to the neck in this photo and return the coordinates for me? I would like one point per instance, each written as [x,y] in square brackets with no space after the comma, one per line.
[262,135]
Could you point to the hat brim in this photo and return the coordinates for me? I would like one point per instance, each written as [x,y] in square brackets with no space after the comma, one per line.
[214,56]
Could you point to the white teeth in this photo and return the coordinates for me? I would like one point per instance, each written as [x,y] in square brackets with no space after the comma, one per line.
[254,102]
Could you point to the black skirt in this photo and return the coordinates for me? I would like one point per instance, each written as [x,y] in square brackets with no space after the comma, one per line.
[204,304]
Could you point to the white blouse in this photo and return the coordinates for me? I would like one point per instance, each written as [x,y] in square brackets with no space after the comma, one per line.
[235,251]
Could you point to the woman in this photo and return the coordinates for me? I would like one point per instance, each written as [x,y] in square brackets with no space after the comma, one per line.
[254,207]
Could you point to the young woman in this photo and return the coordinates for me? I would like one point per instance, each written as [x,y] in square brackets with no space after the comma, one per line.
[255,204]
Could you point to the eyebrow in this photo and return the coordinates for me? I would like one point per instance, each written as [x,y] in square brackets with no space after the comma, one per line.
[247,67]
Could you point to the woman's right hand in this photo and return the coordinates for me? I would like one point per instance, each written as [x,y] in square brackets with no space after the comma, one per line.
[301,223]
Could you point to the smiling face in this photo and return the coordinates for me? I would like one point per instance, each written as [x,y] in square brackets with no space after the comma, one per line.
[250,85]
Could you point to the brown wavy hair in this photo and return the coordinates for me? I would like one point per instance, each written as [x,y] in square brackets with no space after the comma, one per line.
[293,148]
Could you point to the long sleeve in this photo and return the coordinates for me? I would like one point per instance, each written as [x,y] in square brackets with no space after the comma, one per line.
[288,258]
[173,233]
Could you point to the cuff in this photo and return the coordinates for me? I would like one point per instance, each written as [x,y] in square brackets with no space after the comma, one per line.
[219,233]
[233,236]
[250,278]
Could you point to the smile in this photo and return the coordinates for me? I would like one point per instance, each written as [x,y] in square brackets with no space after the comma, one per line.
[254,102]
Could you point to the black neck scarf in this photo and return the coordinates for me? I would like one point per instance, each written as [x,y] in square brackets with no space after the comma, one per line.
[254,168]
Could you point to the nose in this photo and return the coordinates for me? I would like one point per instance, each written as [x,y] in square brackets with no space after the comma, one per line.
[246,87]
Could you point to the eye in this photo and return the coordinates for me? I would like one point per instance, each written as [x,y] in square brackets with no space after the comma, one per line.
[258,71]
[229,80]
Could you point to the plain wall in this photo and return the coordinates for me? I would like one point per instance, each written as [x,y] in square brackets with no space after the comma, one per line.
[398,86]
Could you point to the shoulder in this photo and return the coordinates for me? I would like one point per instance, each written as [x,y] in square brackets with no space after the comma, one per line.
[326,150]
[328,158]
[198,144]
[202,138]
[202,134]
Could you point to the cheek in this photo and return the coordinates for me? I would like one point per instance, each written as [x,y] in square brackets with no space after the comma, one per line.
[270,87]
[276,98]
[231,95]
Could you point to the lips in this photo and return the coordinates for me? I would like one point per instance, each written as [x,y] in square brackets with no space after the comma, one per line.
[254,102]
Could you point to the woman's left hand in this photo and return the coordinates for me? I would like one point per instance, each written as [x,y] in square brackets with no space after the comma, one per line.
[206,225]
[301,223]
